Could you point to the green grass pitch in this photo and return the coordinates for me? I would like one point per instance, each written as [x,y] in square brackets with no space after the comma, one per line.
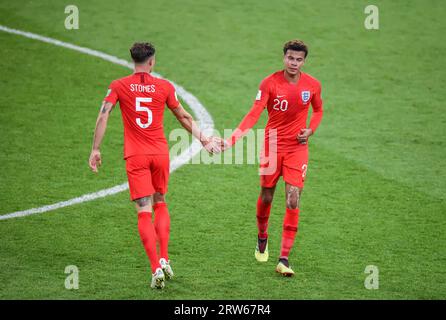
[375,190]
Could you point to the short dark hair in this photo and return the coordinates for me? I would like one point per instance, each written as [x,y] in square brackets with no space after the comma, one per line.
[296,45]
[142,51]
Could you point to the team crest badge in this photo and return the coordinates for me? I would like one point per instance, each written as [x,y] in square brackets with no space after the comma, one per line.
[305,96]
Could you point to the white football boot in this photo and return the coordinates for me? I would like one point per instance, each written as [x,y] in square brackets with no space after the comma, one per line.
[167,269]
[158,279]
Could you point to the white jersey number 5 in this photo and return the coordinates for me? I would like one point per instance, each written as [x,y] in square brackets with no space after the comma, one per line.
[145,109]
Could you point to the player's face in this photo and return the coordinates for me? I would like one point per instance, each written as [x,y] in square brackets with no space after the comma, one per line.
[293,60]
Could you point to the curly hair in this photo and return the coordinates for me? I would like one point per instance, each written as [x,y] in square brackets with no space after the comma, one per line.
[296,45]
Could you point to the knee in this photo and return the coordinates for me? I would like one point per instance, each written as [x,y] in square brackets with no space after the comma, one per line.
[143,204]
[292,204]
[292,199]
[266,198]
[158,197]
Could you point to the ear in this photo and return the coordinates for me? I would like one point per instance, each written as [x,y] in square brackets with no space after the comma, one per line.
[152,61]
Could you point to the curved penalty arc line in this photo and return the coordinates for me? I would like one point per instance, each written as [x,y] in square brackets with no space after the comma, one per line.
[203,117]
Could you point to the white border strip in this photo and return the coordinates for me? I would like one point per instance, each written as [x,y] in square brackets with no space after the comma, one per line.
[204,119]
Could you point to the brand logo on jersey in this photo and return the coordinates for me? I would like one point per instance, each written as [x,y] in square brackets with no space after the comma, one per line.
[259,95]
[305,96]
[108,92]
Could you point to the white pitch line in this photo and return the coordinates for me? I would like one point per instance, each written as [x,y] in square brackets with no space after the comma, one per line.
[204,120]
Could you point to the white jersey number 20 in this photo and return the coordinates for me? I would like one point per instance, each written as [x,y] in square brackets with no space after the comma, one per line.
[280,105]
[144,109]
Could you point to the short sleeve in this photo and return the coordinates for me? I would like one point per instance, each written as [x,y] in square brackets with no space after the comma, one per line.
[172,98]
[112,93]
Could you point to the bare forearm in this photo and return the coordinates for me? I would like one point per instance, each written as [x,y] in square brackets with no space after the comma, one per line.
[190,125]
[101,124]
[99,132]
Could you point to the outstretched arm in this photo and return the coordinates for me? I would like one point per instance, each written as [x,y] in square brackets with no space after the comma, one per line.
[188,123]
[247,123]
[99,132]
[252,116]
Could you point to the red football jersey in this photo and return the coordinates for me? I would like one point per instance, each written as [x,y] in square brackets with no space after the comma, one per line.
[142,99]
[287,104]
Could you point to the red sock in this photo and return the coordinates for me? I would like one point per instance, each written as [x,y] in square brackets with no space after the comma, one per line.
[290,223]
[263,211]
[148,238]
[162,226]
